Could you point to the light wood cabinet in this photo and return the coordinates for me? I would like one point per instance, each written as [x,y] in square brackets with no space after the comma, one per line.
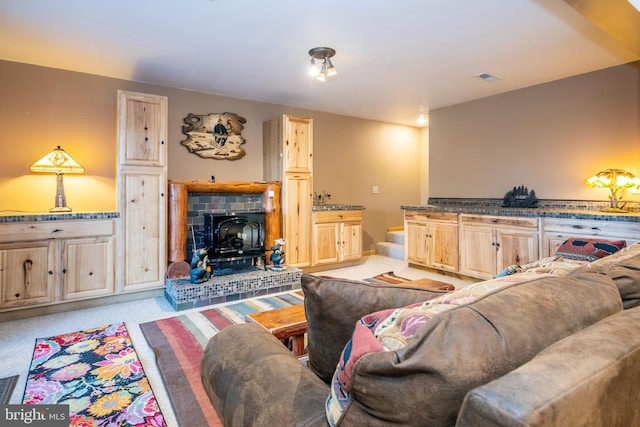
[89,267]
[288,157]
[337,236]
[557,230]
[142,188]
[488,244]
[26,273]
[432,239]
[48,262]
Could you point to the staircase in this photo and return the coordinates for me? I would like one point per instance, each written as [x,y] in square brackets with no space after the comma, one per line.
[394,246]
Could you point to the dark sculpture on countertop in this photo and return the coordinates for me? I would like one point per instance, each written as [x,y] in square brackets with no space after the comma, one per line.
[520,197]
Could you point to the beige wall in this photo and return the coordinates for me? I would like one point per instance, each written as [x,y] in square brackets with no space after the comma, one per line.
[548,137]
[43,107]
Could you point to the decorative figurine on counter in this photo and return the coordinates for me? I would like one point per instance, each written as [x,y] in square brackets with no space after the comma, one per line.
[200,271]
[277,256]
[520,197]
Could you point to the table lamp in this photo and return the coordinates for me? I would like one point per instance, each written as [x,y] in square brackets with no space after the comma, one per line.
[615,180]
[58,162]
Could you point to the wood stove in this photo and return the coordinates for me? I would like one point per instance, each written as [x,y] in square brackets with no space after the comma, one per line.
[234,240]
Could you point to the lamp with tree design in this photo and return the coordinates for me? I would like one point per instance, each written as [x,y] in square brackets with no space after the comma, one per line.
[615,180]
[58,162]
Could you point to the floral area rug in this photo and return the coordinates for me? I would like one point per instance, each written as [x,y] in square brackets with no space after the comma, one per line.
[98,374]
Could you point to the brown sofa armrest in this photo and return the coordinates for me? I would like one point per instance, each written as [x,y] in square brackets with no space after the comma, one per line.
[586,379]
[252,379]
[333,306]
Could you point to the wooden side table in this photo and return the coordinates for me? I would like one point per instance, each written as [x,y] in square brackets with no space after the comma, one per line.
[284,323]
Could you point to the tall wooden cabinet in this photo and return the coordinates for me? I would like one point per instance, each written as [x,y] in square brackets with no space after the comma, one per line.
[142,190]
[288,157]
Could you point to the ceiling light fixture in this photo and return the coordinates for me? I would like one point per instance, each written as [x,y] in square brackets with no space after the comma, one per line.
[325,68]
[422,120]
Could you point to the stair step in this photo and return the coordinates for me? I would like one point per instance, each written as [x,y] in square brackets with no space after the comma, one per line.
[391,250]
[395,237]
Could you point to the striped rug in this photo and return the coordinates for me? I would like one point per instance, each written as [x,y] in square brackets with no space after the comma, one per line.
[178,343]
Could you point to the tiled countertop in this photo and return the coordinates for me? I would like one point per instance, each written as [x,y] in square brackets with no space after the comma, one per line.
[337,207]
[546,212]
[17,216]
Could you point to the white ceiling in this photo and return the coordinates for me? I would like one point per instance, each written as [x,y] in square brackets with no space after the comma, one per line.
[394,58]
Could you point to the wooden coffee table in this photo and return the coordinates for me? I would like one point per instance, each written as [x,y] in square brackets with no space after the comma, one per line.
[286,324]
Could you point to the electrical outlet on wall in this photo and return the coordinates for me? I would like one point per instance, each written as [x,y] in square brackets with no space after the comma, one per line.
[376,189]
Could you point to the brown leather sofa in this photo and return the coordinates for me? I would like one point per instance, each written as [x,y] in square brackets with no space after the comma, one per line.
[552,351]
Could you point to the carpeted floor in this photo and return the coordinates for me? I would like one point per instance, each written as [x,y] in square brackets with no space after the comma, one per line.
[6,388]
[18,336]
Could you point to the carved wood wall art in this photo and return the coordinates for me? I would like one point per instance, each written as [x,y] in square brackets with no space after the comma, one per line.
[215,135]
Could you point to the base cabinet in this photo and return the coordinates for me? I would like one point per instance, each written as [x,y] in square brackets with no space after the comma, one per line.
[432,239]
[88,267]
[337,236]
[26,273]
[557,230]
[46,262]
[488,244]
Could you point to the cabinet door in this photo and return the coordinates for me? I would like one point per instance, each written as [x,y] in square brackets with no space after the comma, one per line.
[478,251]
[142,129]
[443,246]
[417,237]
[516,247]
[326,238]
[27,275]
[143,213]
[298,143]
[88,267]
[296,219]
[351,241]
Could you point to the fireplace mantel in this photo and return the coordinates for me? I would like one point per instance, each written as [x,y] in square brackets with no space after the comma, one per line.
[178,197]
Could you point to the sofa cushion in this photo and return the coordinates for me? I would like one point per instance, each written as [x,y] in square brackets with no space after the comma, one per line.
[415,370]
[624,268]
[333,306]
[583,249]
[586,379]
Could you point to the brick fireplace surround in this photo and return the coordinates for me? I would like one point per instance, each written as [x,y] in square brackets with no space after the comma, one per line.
[183,294]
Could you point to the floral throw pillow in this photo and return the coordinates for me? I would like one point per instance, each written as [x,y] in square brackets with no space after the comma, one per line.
[391,329]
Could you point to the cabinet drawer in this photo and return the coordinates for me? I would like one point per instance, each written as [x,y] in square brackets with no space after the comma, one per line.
[431,216]
[565,228]
[507,221]
[337,216]
[26,231]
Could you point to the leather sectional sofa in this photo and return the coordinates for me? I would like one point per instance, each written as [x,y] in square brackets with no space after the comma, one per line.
[530,349]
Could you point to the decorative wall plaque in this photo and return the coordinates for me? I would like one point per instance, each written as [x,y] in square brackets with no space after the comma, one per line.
[215,135]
